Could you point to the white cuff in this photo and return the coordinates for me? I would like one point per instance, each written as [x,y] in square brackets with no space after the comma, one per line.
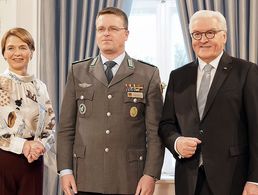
[16,145]
[66,172]
[253,183]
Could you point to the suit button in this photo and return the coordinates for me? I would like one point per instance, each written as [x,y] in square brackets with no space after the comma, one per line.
[106,149]
[135,100]
[107,132]
[140,158]
[109,96]
[108,114]
[74,155]
[81,97]
[201,132]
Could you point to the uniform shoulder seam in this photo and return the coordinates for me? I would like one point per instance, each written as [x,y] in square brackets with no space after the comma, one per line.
[84,60]
[146,63]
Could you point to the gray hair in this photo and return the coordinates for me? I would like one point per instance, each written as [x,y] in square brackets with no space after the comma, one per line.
[210,14]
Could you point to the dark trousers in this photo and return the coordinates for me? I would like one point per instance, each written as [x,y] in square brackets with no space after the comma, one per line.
[202,187]
[18,177]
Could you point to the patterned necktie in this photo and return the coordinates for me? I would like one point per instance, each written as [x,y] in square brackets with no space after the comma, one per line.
[204,89]
[108,72]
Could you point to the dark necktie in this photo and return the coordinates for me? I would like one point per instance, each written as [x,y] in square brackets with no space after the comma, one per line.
[108,72]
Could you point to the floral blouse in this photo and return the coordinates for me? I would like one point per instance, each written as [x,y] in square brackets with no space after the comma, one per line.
[25,112]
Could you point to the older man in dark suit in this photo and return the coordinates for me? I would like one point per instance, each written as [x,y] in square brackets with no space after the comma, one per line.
[210,116]
[108,139]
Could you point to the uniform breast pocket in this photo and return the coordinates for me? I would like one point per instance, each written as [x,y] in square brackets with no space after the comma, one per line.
[134,108]
[84,103]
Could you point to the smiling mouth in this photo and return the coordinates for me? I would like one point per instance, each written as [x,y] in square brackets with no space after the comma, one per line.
[18,60]
[205,47]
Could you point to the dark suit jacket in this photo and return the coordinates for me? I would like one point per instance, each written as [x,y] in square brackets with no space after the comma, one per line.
[228,130]
[108,153]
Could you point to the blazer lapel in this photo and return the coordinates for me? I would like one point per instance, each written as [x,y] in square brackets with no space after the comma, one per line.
[222,72]
[97,70]
[126,69]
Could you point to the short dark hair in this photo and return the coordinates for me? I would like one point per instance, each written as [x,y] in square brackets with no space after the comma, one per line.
[22,34]
[115,11]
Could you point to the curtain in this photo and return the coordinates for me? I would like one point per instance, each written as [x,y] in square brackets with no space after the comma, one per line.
[242,23]
[67,34]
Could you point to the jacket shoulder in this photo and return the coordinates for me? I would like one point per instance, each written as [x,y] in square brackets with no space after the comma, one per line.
[81,61]
[146,63]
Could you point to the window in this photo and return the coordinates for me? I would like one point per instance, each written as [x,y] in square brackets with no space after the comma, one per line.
[156,37]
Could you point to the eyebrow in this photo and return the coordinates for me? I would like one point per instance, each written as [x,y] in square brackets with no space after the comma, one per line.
[212,29]
[12,45]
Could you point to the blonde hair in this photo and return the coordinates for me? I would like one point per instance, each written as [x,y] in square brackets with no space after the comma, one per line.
[22,34]
[115,11]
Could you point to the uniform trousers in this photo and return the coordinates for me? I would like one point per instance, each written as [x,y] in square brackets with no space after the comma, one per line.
[18,177]
[202,186]
[90,193]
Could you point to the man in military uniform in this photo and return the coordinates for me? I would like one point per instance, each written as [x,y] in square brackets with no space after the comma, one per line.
[108,141]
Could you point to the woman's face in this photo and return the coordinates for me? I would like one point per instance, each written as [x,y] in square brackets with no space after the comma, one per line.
[17,54]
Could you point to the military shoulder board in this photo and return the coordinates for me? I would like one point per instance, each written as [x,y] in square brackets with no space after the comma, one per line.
[146,63]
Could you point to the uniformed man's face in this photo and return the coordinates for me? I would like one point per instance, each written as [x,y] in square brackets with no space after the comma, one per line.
[208,49]
[111,34]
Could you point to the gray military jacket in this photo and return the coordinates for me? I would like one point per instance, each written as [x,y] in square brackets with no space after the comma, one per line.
[108,133]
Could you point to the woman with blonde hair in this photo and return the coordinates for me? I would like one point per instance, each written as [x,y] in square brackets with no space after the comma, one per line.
[27,119]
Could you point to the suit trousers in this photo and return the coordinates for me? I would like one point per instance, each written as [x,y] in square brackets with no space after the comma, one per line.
[202,186]
[18,177]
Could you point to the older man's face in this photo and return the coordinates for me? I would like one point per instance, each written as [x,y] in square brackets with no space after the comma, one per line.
[205,48]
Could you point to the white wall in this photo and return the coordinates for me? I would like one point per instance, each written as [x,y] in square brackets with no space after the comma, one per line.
[20,13]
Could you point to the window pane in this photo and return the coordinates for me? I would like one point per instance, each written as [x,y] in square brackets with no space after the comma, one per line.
[156,37]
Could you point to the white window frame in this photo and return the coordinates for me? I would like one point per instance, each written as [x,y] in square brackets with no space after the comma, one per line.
[155,36]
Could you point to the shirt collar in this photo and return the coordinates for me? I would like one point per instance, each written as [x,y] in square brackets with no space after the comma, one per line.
[214,63]
[118,59]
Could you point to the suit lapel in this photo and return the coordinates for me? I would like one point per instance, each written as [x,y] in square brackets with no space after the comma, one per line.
[222,72]
[97,70]
[126,69]
[193,77]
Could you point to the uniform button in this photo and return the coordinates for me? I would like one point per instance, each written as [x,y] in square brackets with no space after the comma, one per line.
[74,155]
[108,113]
[106,149]
[107,132]
[135,100]
[140,158]
[201,131]
[81,97]
[109,96]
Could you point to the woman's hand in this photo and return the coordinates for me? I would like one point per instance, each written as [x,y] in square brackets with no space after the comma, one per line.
[32,150]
